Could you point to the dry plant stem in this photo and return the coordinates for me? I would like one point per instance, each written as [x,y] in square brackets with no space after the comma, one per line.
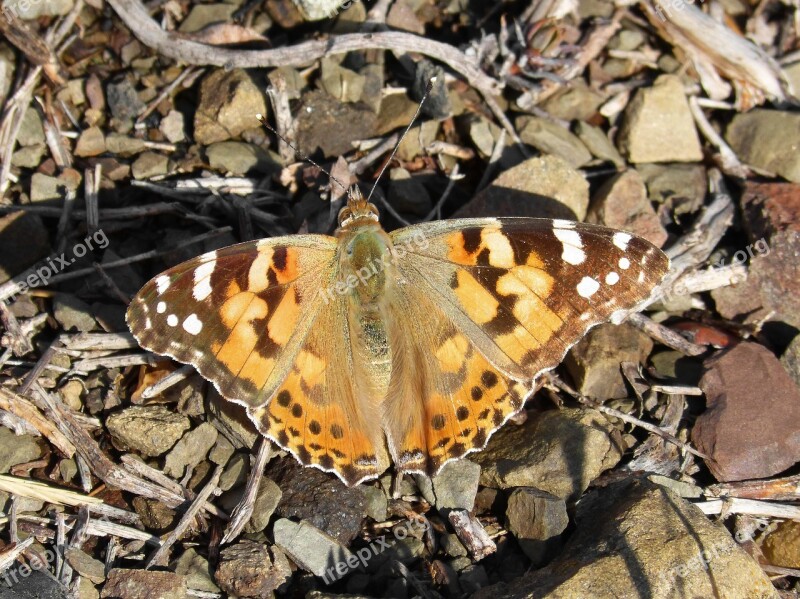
[694,248]
[665,335]
[700,35]
[595,44]
[9,555]
[472,534]
[22,408]
[90,214]
[102,467]
[186,189]
[279,98]
[140,468]
[186,520]
[136,17]
[561,385]
[186,73]
[98,341]
[20,344]
[173,378]
[362,164]
[729,161]
[750,507]
[779,489]
[241,514]
[98,528]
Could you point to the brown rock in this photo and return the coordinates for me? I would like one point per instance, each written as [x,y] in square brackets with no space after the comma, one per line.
[770,208]
[250,569]
[558,451]
[751,426]
[319,498]
[143,584]
[658,125]
[782,546]
[622,203]
[536,519]
[324,122]
[544,187]
[594,362]
[767,139]
[229,103]
[149,430]
[635,539]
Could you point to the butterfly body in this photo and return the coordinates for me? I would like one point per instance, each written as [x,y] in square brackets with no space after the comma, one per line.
[411,347]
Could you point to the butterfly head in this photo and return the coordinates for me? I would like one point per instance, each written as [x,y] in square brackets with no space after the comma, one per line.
[357,210]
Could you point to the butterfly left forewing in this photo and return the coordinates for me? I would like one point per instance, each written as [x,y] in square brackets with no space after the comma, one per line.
[518,293]
[238,314]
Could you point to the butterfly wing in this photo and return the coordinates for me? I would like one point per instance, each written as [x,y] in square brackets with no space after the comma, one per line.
[484,307]
[253,319]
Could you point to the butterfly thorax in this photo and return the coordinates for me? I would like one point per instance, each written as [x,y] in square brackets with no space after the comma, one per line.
[366,274]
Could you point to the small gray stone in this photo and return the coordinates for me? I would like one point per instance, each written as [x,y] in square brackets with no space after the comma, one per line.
[681,188]
[123,145]
[172,125]
[377,503]
[768,140]
[91,142]
[576,102]
[239,158]
[267,498]
[45,188]
[558,451]
[73,314]
[202,15]
[658,125]
[149,430]
[150,164]
[190,450]
[29,156]
[123,100]
[229,103]
[596,141]
[222,451]
[594,362]
[551,138]
[536,519]
[31,130]
[17,449]
[43,8]
[343,84]
[472,578]
[85,565]
[452,545]
[250,569]
[456,485]
[195,568]
[312,549]
[235,473]
[546,187]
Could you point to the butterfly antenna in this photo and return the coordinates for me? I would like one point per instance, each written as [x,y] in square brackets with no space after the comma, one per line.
[427,93]
[301,155]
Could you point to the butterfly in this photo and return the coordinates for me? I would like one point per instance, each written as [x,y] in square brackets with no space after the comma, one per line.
[367,348]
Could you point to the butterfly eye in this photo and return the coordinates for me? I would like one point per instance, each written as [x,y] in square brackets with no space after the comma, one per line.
[344,214]
[349,249]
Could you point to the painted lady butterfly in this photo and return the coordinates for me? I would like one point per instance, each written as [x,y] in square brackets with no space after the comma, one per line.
[412,346]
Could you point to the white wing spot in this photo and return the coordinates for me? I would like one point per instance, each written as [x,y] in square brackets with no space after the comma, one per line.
[587,287]
[572,244]
[624,263]
[612,278]
[560,223]
[148,323]
[192,325]
[172,320]
[621,240]
[162,284]
[161,307]
[202,280]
